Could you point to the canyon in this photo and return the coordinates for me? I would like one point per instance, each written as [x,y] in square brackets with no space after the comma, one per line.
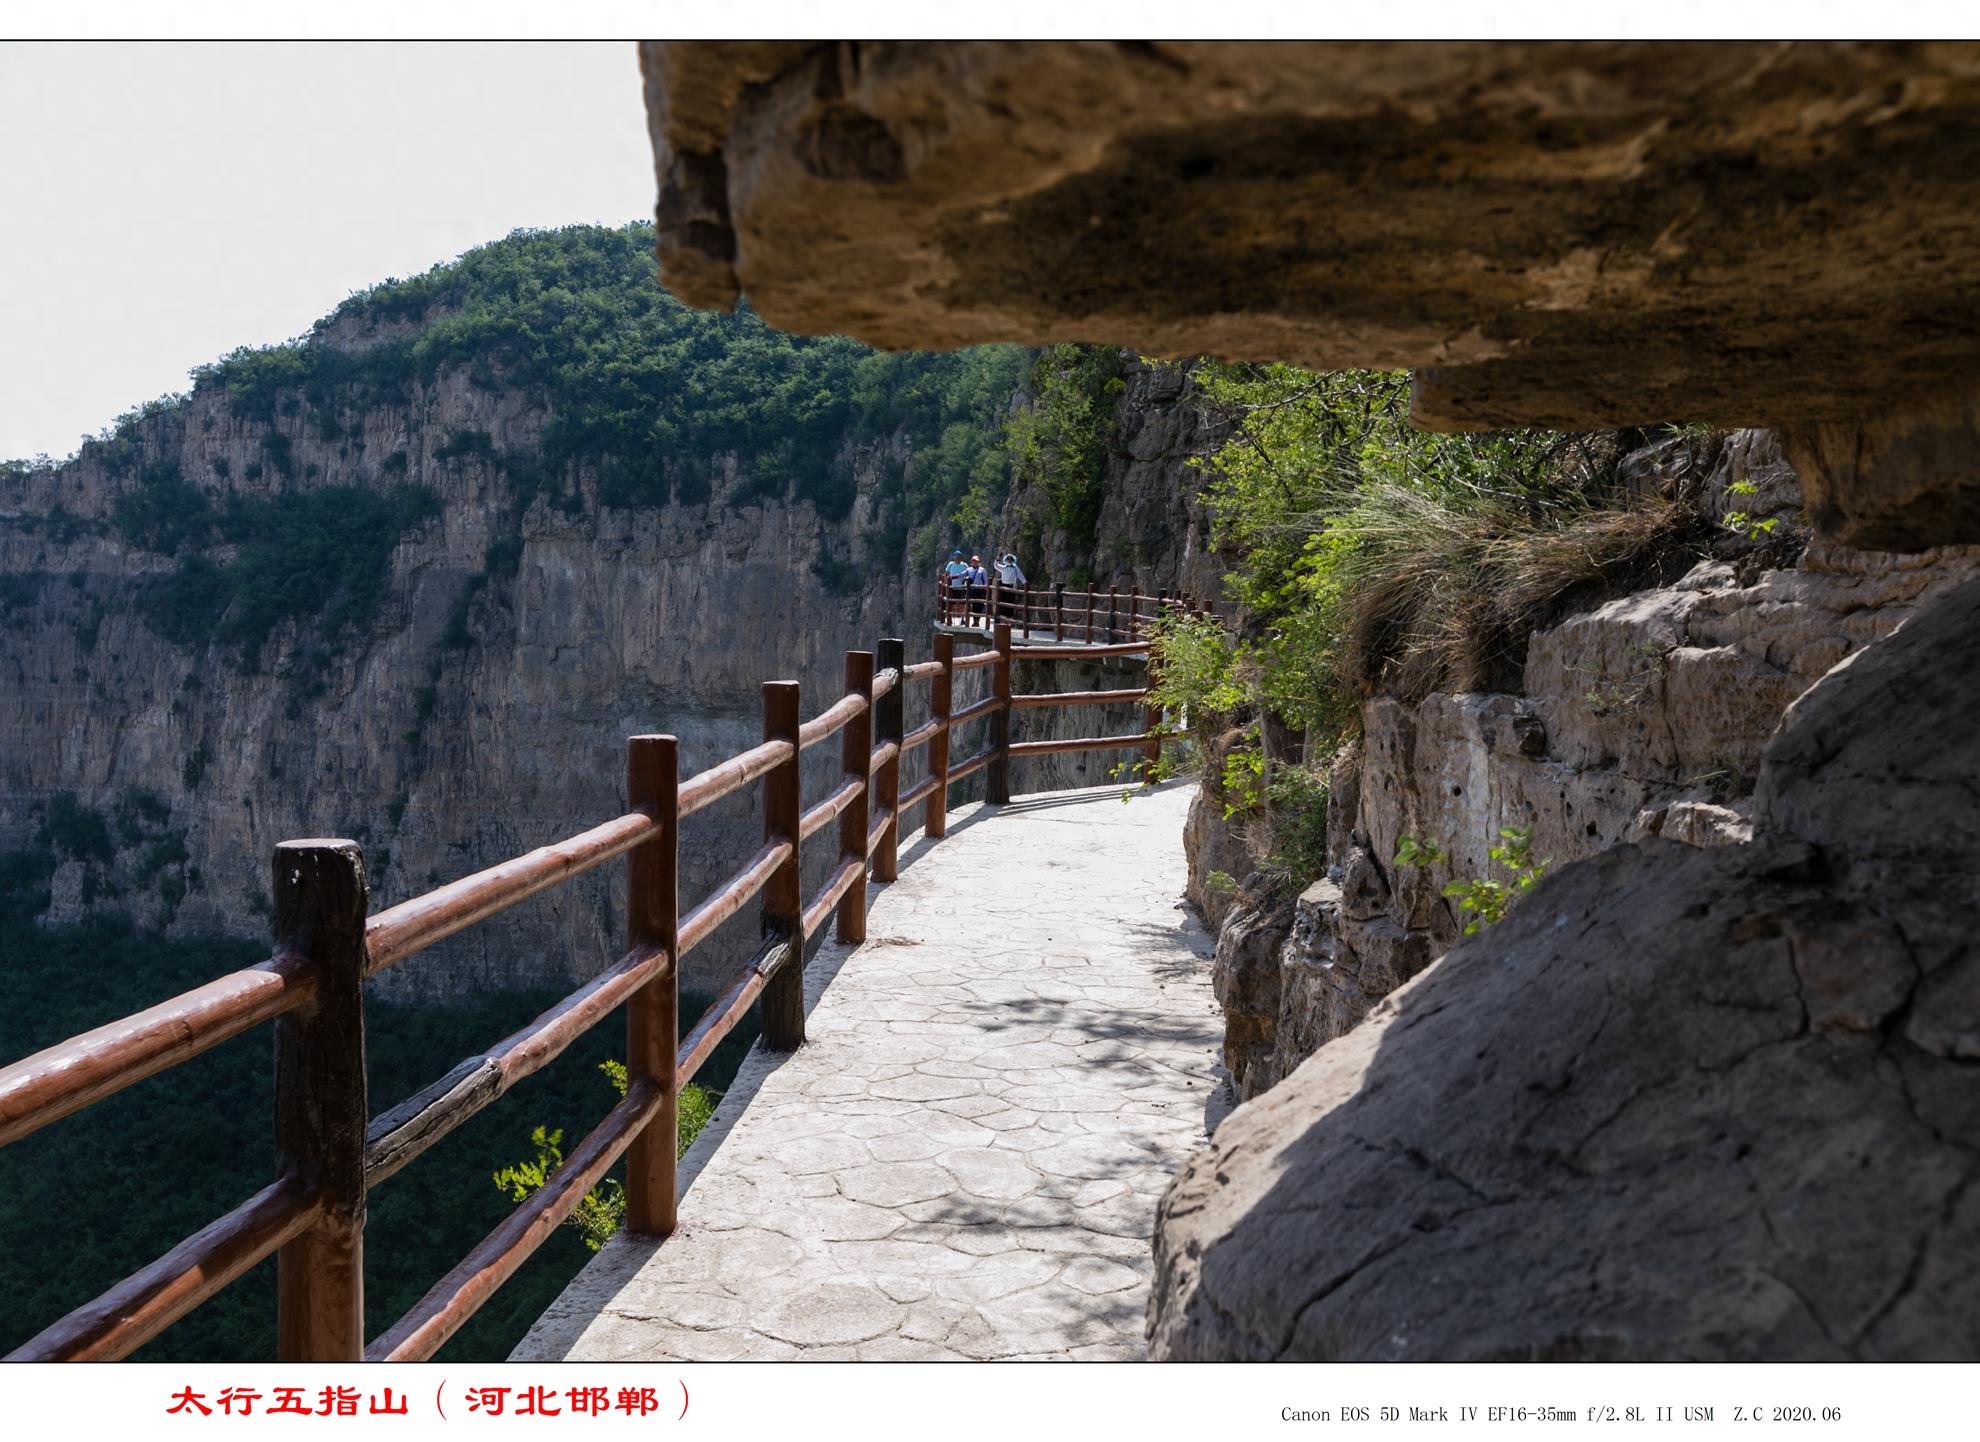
[519,632]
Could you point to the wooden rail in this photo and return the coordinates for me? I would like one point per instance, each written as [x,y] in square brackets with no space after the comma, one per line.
[331,1152]
[1092,616]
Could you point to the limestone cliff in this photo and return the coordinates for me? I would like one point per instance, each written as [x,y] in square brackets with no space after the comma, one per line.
[519,632]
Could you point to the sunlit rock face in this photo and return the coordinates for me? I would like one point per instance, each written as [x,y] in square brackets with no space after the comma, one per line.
[1559,235]
[1643,716]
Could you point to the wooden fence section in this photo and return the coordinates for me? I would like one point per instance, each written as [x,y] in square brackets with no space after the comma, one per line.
[1092,617]
[332,1151]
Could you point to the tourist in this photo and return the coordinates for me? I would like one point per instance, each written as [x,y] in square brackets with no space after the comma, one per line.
[956,576]
[979,587]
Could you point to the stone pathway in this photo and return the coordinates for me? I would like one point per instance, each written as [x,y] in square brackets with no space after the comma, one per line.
[964,1159]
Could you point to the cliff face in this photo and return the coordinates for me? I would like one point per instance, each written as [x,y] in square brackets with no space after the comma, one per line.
[478,709]
[1643,717]
[1154,528]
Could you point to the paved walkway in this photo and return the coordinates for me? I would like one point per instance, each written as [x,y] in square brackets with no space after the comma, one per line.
[964,1159]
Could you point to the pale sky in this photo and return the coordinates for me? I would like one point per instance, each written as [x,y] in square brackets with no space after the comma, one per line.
[161,204]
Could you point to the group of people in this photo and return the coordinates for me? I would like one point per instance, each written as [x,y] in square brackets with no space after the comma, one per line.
[968,584]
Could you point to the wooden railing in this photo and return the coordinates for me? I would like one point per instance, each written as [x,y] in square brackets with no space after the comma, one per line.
[331,1151]
[1094,617]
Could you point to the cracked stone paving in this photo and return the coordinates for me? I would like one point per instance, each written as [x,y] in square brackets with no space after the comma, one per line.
[964,1159]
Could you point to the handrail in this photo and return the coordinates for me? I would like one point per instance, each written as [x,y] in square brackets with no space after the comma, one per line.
[399,931]
[975,763]
[1082,653]
[1078,698]
[726,1010]
[917,793]
[145,1303]
[726,777]
[852,869]
[397,1136]
[830,721]
[732,895]
[976,709]
[827,811]
[1084,743]
[456,1296]
[72,1074]
[316,998]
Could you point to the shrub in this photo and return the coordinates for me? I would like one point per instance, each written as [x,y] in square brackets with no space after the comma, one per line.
[603,1208]
[460,443]
[75,830]
[319,557]
[1485,899]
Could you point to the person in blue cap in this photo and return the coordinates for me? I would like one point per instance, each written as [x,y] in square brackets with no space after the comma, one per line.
[957,576]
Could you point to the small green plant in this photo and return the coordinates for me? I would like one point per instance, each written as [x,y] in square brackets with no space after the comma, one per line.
[1220,883]
[1485,899]
[1649,666]
[1244,781]
[1488,900]
[1411,852]
[603,1208]
[1741,522]
[1177,756]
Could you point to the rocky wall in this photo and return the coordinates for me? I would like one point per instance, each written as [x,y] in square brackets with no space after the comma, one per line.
[1708,1104]
[1642,717]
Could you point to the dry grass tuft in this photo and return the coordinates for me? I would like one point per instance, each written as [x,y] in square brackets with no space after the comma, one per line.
[1442,596]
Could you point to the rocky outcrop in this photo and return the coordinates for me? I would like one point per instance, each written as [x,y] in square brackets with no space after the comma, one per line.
[1683,1103]
[1642,717]
[1555,235]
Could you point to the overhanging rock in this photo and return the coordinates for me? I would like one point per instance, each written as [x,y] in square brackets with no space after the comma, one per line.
[1562,235]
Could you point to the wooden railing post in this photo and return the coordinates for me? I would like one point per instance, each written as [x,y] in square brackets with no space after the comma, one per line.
[1134,614]
[997,775]
[783,893]
[856,757]
[996,607]
[653,1013]
[940,706]
[1113,614]
[320,1106]
[889,714]
[1151,722]
[1027,610]
[1088,636]
[1059,614]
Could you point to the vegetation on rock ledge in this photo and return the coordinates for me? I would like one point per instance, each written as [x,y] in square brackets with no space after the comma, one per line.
[1368,557]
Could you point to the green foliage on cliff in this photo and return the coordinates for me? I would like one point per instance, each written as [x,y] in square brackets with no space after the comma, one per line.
[1366,556]
[1061,440]
[644,392]
[318,557]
